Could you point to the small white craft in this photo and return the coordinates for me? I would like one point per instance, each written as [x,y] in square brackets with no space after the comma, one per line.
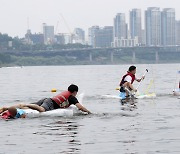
[140,96]
[69,112]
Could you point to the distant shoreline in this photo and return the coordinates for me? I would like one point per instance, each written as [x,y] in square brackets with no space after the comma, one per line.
[85,64]
[99,56]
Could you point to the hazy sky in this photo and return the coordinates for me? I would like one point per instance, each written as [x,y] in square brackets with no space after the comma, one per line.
[77,13]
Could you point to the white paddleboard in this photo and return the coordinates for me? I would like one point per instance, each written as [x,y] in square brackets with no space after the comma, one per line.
[176,92]
[69,112]
[141,96]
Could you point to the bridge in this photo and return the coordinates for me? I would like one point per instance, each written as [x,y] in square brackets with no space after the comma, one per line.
[108,53]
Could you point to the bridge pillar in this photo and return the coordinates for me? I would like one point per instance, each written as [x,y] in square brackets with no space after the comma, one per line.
[112,56]
[157,57]
[134,57]
[90,56]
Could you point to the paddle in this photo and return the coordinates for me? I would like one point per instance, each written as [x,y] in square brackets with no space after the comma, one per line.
[142,79]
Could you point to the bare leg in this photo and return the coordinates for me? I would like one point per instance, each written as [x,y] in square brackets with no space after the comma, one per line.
[128,85]
[35,107]
[23,106]
[20,106]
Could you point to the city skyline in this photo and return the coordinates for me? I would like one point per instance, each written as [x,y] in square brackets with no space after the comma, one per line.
[129,27]
[160,27]
[83,14]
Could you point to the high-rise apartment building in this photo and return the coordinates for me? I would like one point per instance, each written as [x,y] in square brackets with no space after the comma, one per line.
[168,27]
[153,26]
[104,37]
[135,24]
[178,32]
[79,36]
[48,32]
[120,26]
[91,35]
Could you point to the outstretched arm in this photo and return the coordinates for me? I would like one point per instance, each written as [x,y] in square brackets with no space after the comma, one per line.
[139,80]
[82,108]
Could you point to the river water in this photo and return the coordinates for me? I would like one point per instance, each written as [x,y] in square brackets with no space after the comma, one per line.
[150,126]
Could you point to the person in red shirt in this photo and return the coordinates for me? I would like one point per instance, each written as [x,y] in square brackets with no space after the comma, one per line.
[128,80]
[62,100]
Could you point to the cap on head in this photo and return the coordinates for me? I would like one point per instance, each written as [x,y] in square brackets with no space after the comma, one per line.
[132,68]
[12,111]
[73,88]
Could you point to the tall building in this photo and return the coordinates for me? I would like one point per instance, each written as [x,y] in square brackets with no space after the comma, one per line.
[127,31]
[68,38]
[37,38]
[178,32]
[143,37]
[104,37]
[48,32]
[121,33]
[91,35]
[120,26]
[135,24]
[27,37]
[59,39]
[168,27]
[79,36]
[34,38]
[153,26]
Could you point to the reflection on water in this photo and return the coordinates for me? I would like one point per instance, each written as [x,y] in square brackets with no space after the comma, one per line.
[128,105]
[63,129]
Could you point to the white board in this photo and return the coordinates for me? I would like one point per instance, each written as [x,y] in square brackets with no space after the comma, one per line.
[141,96]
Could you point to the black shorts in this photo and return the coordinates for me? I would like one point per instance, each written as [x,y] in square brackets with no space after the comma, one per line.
[122,89]
[46,103]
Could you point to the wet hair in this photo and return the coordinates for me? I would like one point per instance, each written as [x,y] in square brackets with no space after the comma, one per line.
[12,111]
[73,88]
[132,68]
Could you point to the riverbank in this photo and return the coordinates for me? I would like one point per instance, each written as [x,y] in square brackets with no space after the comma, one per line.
[89,57]
[59,60]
